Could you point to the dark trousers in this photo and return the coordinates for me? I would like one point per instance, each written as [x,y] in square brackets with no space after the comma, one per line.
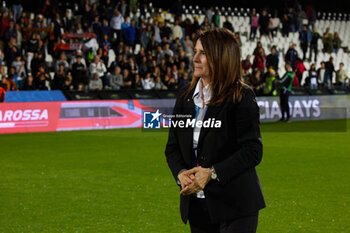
[313,48]
[284,104]
[200,221]
[304,49]
[252,33]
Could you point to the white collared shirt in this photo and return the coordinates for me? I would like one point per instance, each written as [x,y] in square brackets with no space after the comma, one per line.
[201,93]
[201,98]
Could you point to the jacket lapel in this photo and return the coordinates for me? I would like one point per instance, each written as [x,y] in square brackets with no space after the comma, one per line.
[187,135]
[211,113]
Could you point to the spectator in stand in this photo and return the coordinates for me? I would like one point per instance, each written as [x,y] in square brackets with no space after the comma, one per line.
[269,85]
[3,72]
[137,84]
[5,20]
[127,79]
[42,82]
[176,46]
[74,59]
[97,28]
[124,8]
[313,77]
[216,19]
[165,31]
[29,84]
[67,21]
[132,66]
[188,46]
[321,73]
[159,85]
[16,9]
[299,71]
[184,80]
[146,36]
[291,56]
[257,48]
[329,73]
[116,79]
[304,40]
[285,25]
[11,52]
[292,18]
[314,43]
[37,61]
[59,78]
[205,23]
[58,23]
[300,15]
[195,26]
[227,24]
[116,24]
[274,25]
[130,34]
[98,67]
[143,67]
[255,82]
[311,15]
[148,82]
[10,31]
[264,20]
[246,64]
[42,78]
[336,42]
[327,41]
[341,76]
[79,72]
[32,47]
[210,13]
[260,61]
[107,9]
[8,83]
[62,61]
[177,31]
[19,66]
[156,33]
[125,25]
[12,79]
[95,82]
[254,23]
[272,59]
[69,86]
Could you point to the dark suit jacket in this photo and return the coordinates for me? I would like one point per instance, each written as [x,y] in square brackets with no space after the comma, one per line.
[234,150]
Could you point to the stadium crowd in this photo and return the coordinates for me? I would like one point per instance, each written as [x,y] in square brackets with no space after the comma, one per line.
[150,52]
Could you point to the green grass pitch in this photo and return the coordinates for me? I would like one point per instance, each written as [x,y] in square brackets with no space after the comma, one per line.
[118,181]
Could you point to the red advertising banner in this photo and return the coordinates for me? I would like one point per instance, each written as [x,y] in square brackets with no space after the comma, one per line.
[29,117]
[70,115]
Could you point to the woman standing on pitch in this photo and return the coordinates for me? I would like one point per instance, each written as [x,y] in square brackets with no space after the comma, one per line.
[215,167]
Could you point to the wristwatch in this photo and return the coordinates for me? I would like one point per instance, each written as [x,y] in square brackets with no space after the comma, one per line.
[214,176]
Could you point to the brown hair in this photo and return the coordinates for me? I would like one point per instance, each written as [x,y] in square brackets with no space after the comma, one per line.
[224,61]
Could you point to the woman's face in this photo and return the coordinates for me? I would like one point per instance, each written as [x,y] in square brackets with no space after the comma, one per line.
[201,68]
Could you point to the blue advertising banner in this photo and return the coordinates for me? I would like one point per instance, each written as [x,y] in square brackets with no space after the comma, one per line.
[34,96]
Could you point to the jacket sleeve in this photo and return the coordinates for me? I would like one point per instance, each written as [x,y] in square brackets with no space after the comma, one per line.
[249,140]
[172,151]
